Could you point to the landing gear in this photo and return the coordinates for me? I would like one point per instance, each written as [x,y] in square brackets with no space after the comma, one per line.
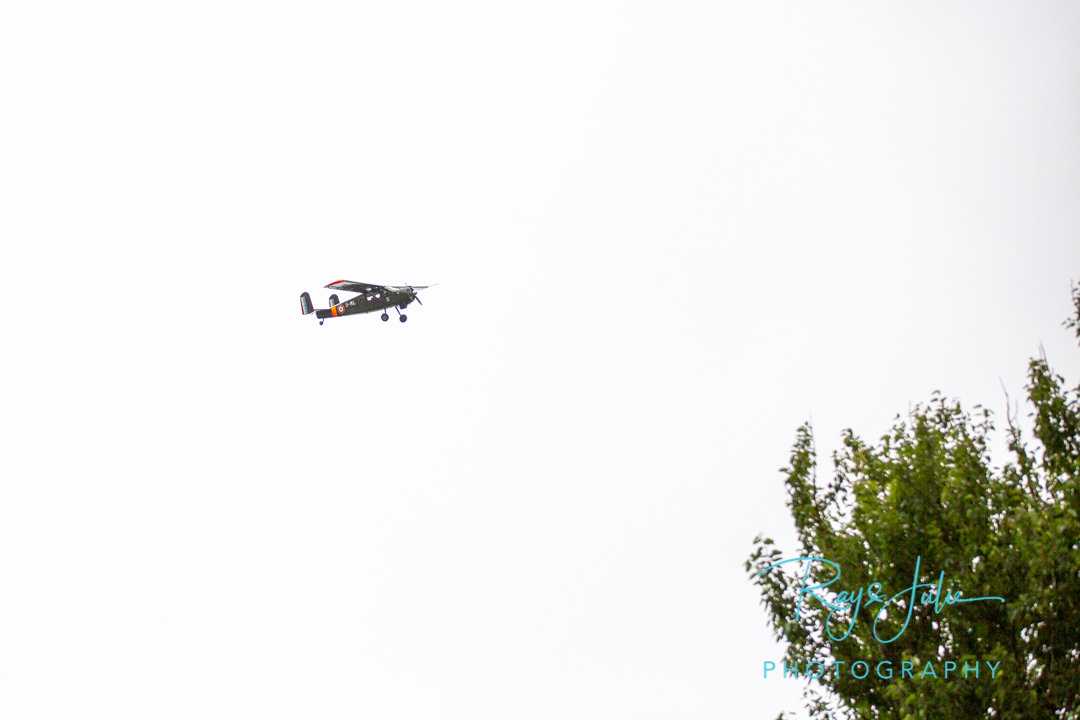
[320,322]
[385,317]
[403,317]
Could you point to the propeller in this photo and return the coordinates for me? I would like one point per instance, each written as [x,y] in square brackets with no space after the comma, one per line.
[413,291]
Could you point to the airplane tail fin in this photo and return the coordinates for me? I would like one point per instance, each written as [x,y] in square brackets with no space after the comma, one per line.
[305,304]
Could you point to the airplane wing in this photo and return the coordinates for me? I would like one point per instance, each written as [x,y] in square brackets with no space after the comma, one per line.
[357,287]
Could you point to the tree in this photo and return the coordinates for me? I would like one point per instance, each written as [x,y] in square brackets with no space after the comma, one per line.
[924,501]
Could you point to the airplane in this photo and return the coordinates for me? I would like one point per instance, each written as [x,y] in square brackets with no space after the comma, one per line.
[370,299]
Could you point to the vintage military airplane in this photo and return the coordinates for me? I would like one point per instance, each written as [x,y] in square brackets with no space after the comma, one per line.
[370,299]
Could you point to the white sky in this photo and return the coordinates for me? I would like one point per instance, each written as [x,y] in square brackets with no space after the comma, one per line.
[666,234]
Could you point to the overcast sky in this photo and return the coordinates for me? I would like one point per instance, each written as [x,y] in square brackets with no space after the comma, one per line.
[665,235]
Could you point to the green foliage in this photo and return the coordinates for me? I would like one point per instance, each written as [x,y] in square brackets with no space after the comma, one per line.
[1073,323]
[927,489]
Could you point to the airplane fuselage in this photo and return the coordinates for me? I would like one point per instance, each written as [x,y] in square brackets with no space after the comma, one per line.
[369,302]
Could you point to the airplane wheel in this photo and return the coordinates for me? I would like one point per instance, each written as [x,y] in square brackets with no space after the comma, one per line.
[320,322]
[385,317]
[403,318]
